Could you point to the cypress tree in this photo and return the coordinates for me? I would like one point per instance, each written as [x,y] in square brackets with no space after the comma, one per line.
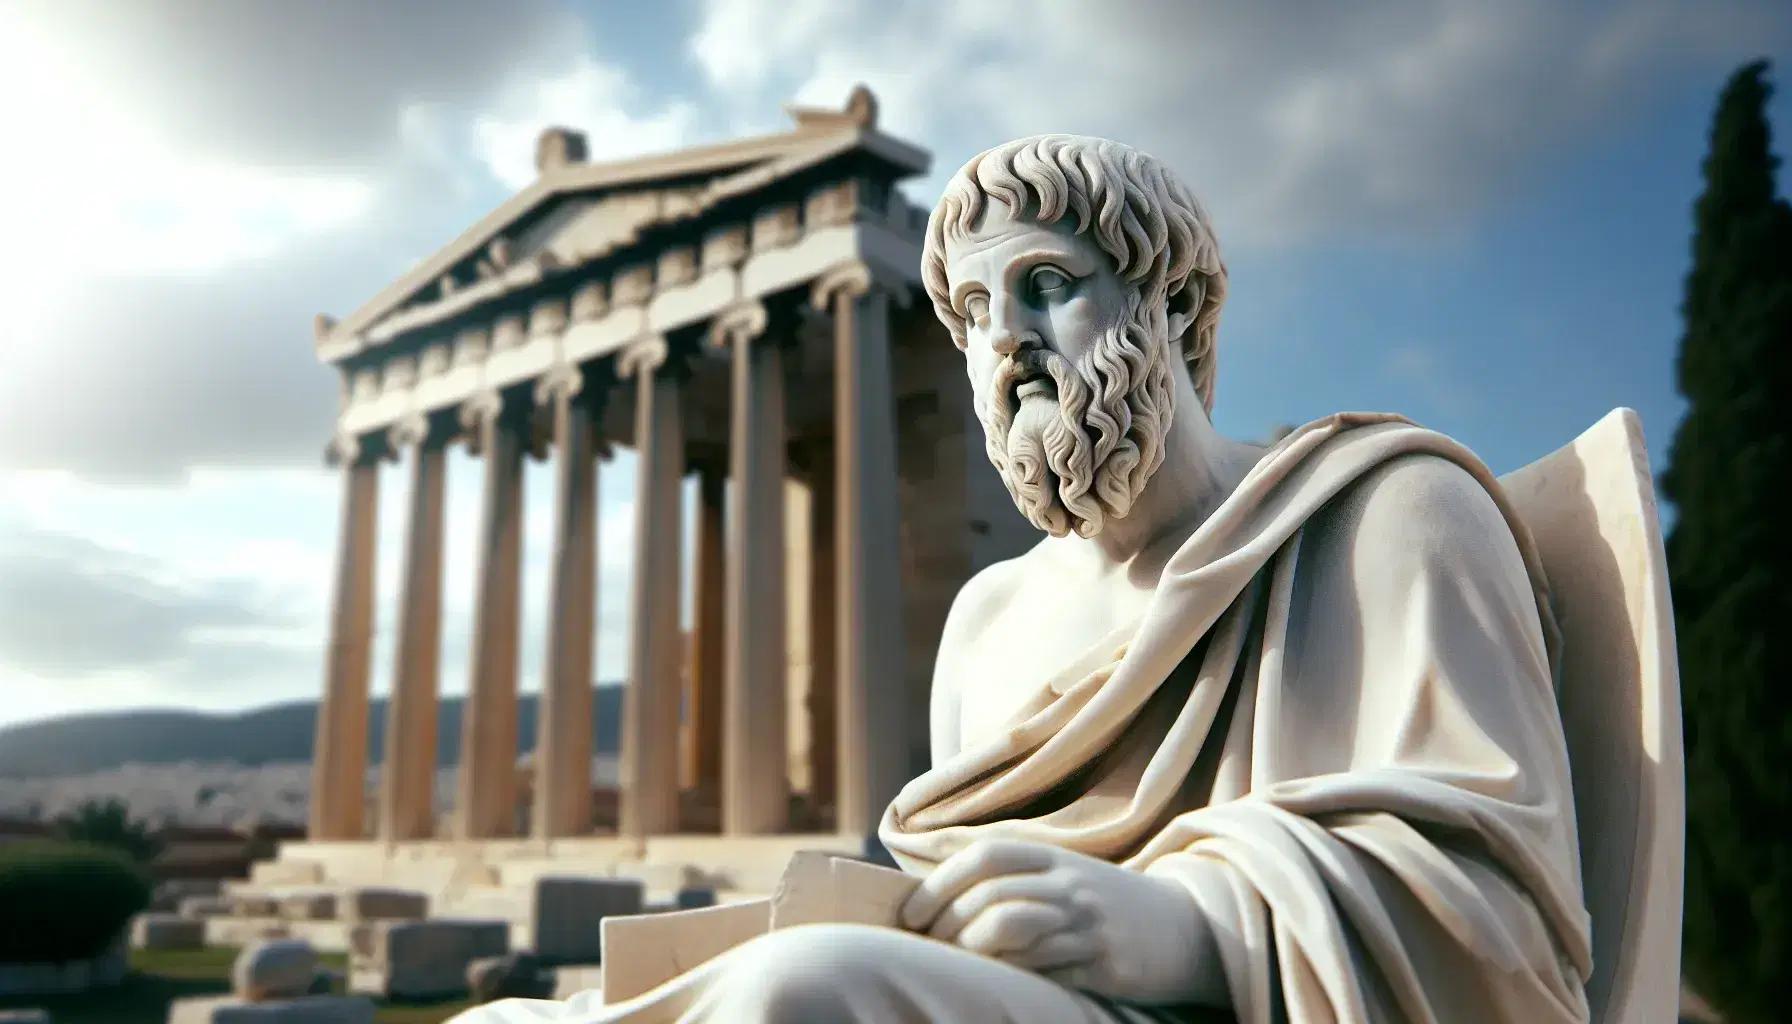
[1730,562]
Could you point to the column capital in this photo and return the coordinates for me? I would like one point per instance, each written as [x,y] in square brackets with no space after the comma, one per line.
[343,449]
[348,448]
[739,324]
[412,431]
[480,407]
[853,278]
[487,407]
[561,379]
[645,354]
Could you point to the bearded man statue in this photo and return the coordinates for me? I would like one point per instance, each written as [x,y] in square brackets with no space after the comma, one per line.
[1254,734]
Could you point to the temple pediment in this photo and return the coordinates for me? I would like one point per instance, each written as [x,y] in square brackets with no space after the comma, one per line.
[575,213]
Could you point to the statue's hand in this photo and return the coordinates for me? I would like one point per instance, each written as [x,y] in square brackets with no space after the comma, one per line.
[1083,922]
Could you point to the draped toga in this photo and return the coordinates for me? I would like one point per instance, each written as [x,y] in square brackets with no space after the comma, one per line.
[1334,722]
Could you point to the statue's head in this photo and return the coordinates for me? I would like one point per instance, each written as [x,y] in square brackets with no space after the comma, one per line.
[1079,277]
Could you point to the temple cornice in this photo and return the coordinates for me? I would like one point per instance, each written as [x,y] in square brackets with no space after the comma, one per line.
[499,267]
[600,317]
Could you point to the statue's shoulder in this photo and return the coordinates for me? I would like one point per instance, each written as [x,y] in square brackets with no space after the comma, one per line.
[985,597]
[1418,505]
[990,590]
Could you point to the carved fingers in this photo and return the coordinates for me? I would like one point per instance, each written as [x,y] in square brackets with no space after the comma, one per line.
[1013,927]
[969,866]
[1043,888]
[1028,904]
[1082,921]
[1068,957]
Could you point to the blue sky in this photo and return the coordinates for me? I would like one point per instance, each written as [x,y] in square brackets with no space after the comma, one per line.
[1475,214]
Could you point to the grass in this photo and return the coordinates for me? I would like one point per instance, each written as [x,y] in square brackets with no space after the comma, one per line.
[158,977]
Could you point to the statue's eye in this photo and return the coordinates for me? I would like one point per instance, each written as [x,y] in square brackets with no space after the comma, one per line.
[976,308]
[1049,282]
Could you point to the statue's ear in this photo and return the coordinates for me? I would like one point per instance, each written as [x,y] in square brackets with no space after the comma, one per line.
[1183,306]
[1179,324]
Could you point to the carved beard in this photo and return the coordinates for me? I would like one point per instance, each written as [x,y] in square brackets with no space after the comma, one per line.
[1079,457]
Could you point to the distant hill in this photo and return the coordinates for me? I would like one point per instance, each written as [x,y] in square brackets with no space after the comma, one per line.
[276,734]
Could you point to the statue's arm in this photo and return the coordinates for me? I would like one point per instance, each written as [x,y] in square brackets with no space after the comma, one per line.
[942,711]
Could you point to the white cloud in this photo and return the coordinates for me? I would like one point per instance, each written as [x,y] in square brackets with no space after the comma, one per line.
[88,191]
[97,191]
[595,98]
[1295,121]
[167,364]
[168,245]
[264,541]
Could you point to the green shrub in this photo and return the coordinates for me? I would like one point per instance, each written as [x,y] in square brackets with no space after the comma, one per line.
[64,901]
[109,823]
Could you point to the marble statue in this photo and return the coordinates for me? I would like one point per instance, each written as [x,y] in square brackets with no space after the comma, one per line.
[1265,734]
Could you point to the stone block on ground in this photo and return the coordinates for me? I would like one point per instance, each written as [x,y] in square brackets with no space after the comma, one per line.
[286,872]
[169,893]
[309,906]
[275,969]
[206,906]
[512,976]
[254,905]
[304,1010]
[694,897]
[380,903]
[167,931]
[240,931]
[658,878]
[643,952]
[567,915]
[421,959]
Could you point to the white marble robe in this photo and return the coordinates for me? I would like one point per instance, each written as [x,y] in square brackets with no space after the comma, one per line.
[1334,723]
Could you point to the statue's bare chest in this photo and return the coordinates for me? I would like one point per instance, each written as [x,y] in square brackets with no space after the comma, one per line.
[1046,624]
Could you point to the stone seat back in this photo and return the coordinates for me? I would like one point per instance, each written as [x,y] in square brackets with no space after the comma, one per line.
[1590,508]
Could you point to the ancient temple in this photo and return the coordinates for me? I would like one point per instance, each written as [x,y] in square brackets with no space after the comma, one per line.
[748,313]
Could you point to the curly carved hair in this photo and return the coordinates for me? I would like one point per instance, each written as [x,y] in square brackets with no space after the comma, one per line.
[1153,227]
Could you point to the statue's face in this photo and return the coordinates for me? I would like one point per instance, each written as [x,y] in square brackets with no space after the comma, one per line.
[1071,389]
[1017,282]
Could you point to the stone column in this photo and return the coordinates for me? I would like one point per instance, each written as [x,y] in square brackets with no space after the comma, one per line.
[650,706]
[498,430]
[823,708]
[407,780]
[339,752]
[755,750]
[870,645]
[563,720]
[703,708]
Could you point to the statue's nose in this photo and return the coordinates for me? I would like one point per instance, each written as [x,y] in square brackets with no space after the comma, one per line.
[1006,331]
